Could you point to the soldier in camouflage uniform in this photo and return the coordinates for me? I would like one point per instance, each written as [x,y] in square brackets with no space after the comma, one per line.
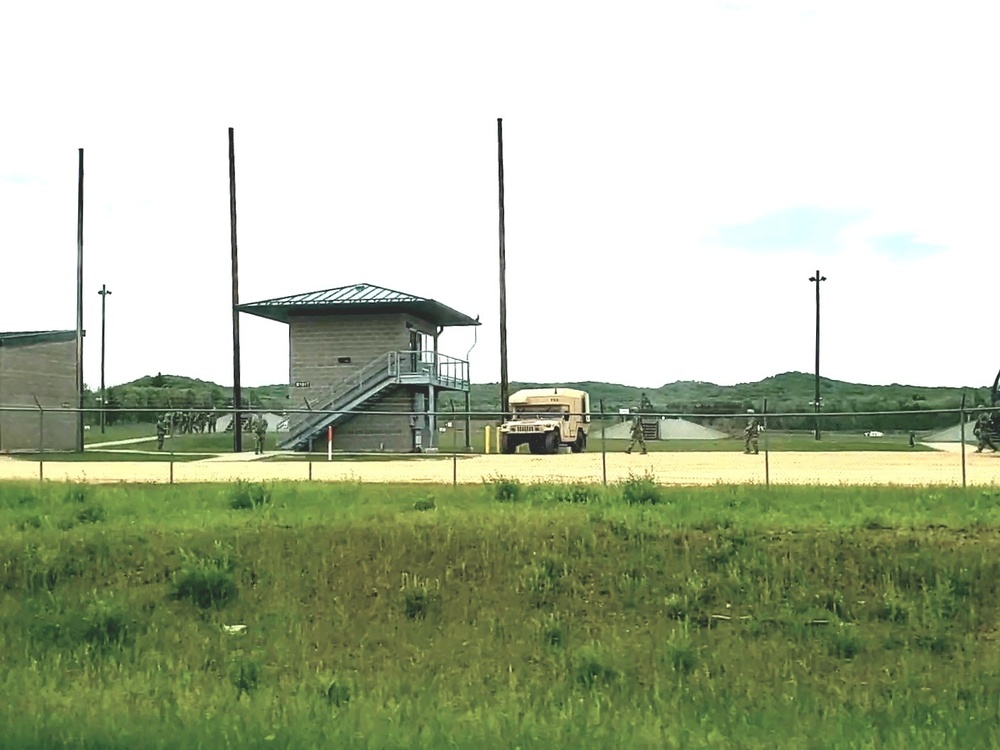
[750,434]
[982,431]
[637,435]
[259,430]
[161,432]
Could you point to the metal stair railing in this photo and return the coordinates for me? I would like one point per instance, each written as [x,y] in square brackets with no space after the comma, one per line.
[392,367]
[381,369]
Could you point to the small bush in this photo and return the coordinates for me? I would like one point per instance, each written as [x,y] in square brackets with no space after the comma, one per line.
[247,495]
[641,490]
[76,494]
[103,626]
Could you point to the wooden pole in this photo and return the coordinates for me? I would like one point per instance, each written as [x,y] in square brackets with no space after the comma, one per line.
[79,308]
[237,391]
[504,385]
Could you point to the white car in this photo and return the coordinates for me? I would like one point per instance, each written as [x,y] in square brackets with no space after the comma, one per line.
[874,433]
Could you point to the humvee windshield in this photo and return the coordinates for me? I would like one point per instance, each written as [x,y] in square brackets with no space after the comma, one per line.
[539,411]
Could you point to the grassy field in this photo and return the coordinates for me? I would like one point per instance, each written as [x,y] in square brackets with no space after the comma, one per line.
[498,616]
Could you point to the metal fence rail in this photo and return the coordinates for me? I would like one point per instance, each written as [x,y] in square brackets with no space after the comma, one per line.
[922,447]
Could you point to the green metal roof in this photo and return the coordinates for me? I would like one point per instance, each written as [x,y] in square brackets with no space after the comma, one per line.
[357,299]
[26,338]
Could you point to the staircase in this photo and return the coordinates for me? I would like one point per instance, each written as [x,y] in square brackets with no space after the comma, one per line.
[392,368]
[650,429]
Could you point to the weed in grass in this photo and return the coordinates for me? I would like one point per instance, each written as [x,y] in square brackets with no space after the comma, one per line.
[542,580]
[641,490]
[16,496]
[247,495]
[205,583]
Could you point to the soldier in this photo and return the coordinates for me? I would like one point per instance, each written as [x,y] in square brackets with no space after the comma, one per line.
[982,431]
[750,434]
[161,432]
[637,435]
[259,429]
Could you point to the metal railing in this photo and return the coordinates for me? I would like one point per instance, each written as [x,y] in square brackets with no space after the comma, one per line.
[412,366]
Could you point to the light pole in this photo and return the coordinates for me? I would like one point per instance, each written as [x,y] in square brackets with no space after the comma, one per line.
[104,399]
[817,278]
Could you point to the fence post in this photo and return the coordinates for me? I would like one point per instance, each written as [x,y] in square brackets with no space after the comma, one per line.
[962,428]
[767,464]
[604,449]
[454,447]
[41,439]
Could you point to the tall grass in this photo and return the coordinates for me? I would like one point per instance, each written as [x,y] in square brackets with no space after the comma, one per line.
[510,616]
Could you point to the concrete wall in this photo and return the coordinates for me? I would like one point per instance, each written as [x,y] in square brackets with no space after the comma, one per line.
[46,371]
[315,343]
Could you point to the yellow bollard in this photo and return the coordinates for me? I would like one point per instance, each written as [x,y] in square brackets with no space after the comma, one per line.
[487,438]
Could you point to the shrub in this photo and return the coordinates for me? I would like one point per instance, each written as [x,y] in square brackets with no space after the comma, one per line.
[245,676]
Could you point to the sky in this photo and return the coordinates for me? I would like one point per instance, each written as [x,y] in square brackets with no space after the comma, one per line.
[674,173]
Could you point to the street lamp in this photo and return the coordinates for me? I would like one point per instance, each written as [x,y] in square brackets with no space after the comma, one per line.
[816,401]
[104,399]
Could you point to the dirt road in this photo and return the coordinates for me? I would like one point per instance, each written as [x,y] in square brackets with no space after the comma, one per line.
[851,468]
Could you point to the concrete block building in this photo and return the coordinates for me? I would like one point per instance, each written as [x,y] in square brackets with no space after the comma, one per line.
[39,365]
[359,349]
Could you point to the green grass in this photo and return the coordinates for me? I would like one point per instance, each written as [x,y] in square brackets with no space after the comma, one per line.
[118,432]
[500,616]
[112,455]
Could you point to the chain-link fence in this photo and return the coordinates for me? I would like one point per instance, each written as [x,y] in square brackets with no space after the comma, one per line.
[551,444]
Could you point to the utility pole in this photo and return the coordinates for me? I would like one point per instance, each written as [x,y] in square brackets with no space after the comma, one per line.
[817,279]
[504,385]
[79,308]
[104,399]
[237,391]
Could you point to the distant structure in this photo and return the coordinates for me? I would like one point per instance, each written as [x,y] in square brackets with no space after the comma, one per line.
[366,348]
[42,366]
